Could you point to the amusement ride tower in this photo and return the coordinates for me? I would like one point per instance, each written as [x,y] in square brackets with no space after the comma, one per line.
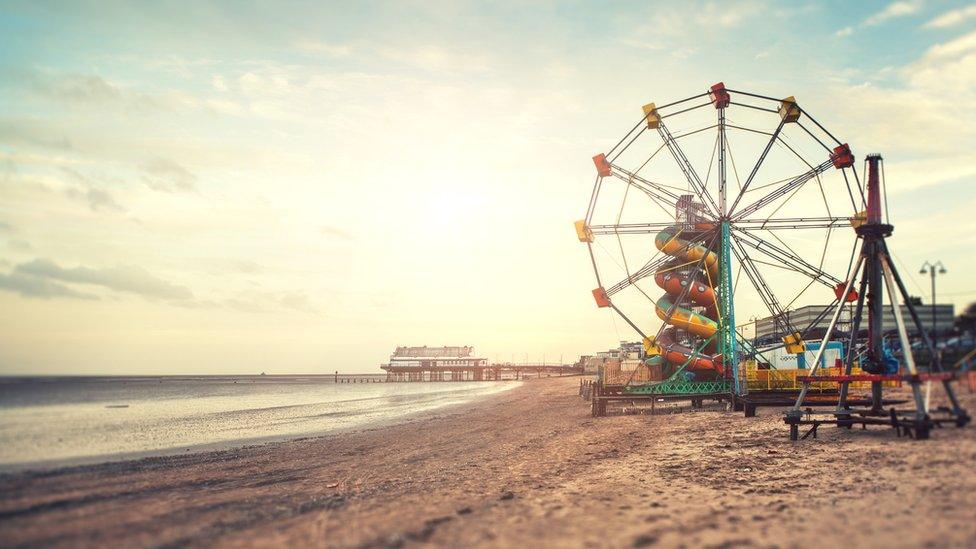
[879,278]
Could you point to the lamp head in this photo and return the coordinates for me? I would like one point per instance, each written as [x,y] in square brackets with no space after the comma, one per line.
[942,270]
[922,271]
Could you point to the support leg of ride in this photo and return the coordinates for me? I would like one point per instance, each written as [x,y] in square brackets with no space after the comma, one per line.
[750,410]
[793,418]
[962,418]
[876,397]
[922,428]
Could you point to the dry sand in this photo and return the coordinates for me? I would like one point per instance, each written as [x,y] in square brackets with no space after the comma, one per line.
[529,466]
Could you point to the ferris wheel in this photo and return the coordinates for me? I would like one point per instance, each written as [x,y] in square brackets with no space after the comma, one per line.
[724,203]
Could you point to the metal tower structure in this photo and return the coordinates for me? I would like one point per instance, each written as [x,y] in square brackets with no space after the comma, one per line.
[878,278]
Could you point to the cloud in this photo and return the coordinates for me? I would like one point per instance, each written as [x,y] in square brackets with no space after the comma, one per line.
[162,174]
[82,88]
[323,48]
[128,279]
[91,91]
[296,301]
[245,266]
[219,83]
[96,198]
[954,48]
[26,131]
[336,232]
[671,27]
[262,302]
[32,286]
[437,58]
[927,96]
[893,11]
[951,18]
[6,227]
[86,90]
[20,245]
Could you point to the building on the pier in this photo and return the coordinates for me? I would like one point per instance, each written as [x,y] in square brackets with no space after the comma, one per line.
[435,364]
[436,357]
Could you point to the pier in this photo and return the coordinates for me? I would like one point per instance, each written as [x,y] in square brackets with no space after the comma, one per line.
[491,372]
[461,364]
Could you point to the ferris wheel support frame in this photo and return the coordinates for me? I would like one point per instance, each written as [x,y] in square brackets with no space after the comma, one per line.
[727,338]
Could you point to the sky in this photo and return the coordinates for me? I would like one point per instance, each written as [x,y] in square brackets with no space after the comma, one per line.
[236,187]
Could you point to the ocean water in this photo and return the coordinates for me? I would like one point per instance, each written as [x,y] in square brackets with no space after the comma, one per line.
[56,421]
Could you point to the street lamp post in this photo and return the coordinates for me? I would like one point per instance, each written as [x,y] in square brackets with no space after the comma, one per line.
[755,330]
[932,269]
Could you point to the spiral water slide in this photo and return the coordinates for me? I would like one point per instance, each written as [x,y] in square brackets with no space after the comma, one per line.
[672,278]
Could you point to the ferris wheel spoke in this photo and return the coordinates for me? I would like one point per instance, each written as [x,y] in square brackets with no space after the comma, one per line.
[819,125]
[692,132]
[634,228]
[762,157]
[648,269]
[760,285]
[623,174]
[651,267]
[789,223]
[686,168]
[813,324]
[787,256]
[781,266]
[655,190]
[786,188]
[780,141]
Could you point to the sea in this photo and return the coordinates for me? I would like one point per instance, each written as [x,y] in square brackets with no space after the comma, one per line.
[56,421]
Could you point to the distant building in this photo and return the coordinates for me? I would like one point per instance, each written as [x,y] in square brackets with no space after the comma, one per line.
[627,350]
[804,316]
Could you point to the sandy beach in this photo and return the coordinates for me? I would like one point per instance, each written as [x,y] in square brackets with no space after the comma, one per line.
[527,466]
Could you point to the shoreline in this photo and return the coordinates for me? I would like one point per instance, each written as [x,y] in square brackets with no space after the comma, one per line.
[59,464]
[524,466]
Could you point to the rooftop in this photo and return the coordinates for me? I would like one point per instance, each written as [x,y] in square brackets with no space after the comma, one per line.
[433,352]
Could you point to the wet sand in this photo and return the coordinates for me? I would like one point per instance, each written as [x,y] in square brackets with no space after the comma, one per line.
[527,466]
